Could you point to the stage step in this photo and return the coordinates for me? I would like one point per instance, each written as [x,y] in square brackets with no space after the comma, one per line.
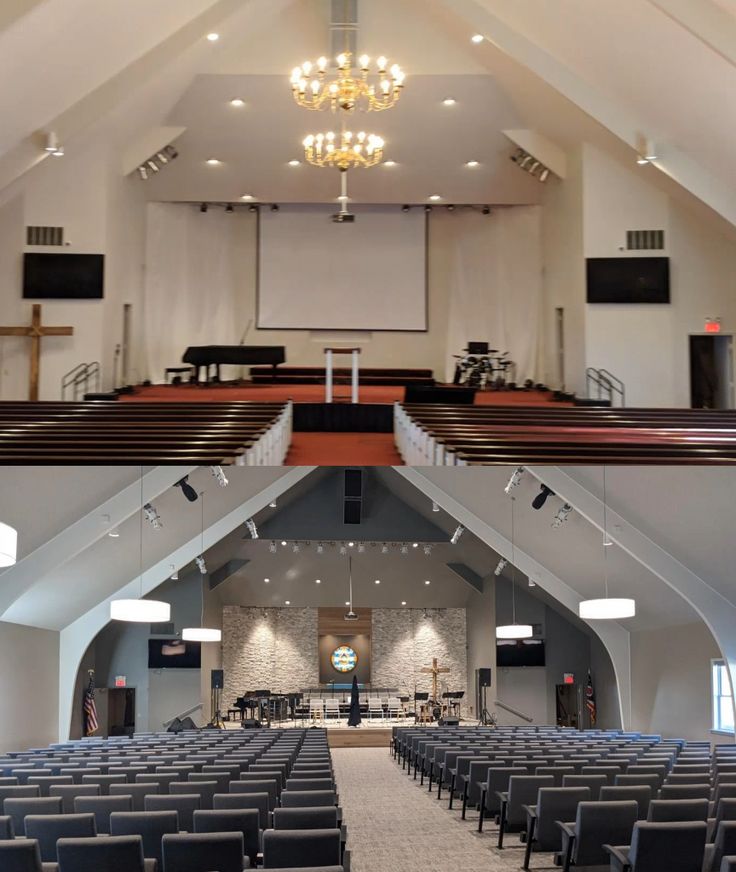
[309,375]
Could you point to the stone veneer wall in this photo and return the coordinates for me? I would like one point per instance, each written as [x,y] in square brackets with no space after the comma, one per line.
[268,648]
[404,640]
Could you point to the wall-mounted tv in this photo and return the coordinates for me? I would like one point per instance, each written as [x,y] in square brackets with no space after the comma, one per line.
[519,652]
[63,276]
[628,279]
[174,654]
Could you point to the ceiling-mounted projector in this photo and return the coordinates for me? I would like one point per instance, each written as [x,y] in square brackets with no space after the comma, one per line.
[351,616]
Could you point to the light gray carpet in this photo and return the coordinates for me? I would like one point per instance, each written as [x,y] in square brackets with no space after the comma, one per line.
[396,826]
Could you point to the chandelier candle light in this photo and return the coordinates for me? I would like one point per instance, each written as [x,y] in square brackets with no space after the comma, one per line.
[606,609]
[344,151]
[140,611]
[371,88]
[514,630]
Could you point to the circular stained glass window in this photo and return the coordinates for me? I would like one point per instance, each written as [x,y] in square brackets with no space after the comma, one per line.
[344,659]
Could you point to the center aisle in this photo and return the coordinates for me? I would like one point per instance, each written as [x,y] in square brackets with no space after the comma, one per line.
[396,826]
[343,449]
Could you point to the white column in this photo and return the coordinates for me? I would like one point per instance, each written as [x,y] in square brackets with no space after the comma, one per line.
[328,375]
[356,357]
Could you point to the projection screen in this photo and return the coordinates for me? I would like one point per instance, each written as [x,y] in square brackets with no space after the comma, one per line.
[314,274]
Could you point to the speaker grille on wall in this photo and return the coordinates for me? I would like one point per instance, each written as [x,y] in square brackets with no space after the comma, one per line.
[217,679]
[645,240]
[44,235]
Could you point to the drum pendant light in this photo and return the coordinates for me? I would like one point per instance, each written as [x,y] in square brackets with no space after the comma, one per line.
[8,545]
[606,608]
[201,633]
[140,611]
[513,630]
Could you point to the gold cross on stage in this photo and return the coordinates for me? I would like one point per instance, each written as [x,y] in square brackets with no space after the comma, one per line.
[35,333]
[435,670]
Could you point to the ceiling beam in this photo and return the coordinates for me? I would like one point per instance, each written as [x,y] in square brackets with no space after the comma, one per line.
[479,17]
[706,21]
[13,10]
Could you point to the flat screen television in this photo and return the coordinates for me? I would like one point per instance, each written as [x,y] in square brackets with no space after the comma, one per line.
[519,652]
[628,279]
[174,654]
[63,276]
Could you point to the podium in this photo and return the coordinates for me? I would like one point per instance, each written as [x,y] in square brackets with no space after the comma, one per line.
[329,355]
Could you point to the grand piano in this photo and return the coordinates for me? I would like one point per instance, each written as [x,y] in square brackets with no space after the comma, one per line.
[236,355]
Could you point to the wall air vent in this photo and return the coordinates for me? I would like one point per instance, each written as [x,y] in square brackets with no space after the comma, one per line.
[645,240]
[44,235]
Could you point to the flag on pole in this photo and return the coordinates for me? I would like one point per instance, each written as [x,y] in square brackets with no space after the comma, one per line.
[590,700]
[90,708]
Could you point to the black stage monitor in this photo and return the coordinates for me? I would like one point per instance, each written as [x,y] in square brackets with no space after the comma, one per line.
[63,276]
[628,279]
[173,654]
[477,348]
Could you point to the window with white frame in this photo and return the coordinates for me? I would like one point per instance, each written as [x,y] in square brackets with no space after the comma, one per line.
[722,698]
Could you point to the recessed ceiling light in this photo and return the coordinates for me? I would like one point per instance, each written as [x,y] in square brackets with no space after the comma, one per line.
[347,602]
[378,581]
[414,544]
[403,602]
[237,102]
[427,581]
[389,163]
[435,197]
[283,542]
[294,163]
[214,162]
[472,163]
[287,602]
[449,101]
[251,197]
[213,37]
[477,38]
[266,580]
[318,581]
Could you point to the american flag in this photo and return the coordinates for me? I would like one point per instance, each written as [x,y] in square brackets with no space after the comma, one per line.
[590,700]
[90,708]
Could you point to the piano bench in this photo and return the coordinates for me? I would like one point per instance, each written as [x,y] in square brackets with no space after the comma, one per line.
[177,372]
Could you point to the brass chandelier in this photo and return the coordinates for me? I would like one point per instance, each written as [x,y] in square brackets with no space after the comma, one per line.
[352,88]
[344,151]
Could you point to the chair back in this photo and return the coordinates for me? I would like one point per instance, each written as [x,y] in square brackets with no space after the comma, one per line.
[602,823]
[318,818]
[556,804]
[306,798]
[592,782]
[20,855]
[668,810]
[6,827]
[684,791]
[113,854]
[232,820]
[185,804]
[284,849]
[205,789]
[258,801]
[640,793]
[18,809]
[48,829]
[102,807]
[265,785]
[523,791]
[151,826]
[195,852]
[667,847]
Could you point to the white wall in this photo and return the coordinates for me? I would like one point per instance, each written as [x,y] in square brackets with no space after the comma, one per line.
[647,345]
[480,626]
[29,687]
[671,681]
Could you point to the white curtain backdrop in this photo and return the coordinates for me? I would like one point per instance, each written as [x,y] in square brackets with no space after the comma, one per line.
[495,274]
[193,290]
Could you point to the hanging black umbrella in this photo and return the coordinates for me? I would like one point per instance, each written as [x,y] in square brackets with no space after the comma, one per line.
[354,720]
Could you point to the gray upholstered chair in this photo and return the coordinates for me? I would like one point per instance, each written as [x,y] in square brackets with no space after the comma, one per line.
[184,804]
[318,818]
[664,810]
[522,792]
[651,780]
[18,791]
[69,792]
[48,829]
[204,789]
[22,855]
[684,791]
[594,783]
[723,846]
[305,798]
[102,807]
[6,827]
[151,826]
[268,786]
[45,782]
[497,782]
[113,854]
[295,848]
[258,801]
[310,784]
[232,820]
[557,772]
[640,793]
[596,823]
[728,864]
[221,779]
[201,852]
[661,847]
[18,809]
[137,792]
[553,804]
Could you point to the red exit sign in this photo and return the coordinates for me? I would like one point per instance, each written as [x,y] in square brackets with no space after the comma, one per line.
[120,681]
[568,678]
[713,325]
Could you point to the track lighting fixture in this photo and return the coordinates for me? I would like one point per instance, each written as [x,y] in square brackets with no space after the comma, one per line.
[201,564]
[274,207]
[152,516]
[153,166]
[530,164]
[295,548]
[229,209]
[361,548]
[500,566]
[252,207]
[405,208]
[563,513]
[272,548]
[203,208]
[455,538]
[52,142]
[514,480]
[427,550]
[174,573]
[405,549]
[219,475]
[343,550]
[252,529]
[320,548]
[435,507]
[189,492]
[541,498]
[384,548]
[272,504]
[143,173]
[156,162]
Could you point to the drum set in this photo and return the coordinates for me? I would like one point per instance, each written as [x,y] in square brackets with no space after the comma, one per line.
[484,368]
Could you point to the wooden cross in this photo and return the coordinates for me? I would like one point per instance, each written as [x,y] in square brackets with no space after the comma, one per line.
[35,333]
[435,670]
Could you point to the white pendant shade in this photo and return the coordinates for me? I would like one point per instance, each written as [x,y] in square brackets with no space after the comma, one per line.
[141,611]
[607,609]
[201,634]
[8,545]
[514,631]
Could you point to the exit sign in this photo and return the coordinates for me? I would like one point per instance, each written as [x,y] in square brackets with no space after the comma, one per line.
[568,678]
[120,681]
[713,325]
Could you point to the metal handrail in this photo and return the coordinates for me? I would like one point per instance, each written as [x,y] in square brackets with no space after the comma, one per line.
[189,711]
[514,711]
[607,384]
[80,377]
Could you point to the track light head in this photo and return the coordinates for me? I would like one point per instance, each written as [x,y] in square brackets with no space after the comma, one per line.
[189,492]
[203,208]
[514,480]
[152,516]
[405,208]
[272,547]
[252,529]
[219,475]
[229,209]
[143,173]
[455,538]
[202,566]
[500,566]
[541,498]
[274,207]
[252,207]
[563,513]
[486,210]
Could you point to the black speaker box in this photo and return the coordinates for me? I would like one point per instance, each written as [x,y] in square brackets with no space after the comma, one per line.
[449,722]
[217,679]
[484,677]
[251,724]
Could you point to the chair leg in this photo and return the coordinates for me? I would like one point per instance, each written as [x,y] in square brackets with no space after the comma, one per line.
[568,855]
[501,827]
[482,810]
[529,840]
[452,790]
[440,779]
[465,800]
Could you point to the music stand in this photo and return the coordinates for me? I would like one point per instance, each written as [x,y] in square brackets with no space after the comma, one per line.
[422,696]
[478,348]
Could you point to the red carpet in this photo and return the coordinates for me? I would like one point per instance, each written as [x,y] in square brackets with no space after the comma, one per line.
[314,394]
[343,449]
